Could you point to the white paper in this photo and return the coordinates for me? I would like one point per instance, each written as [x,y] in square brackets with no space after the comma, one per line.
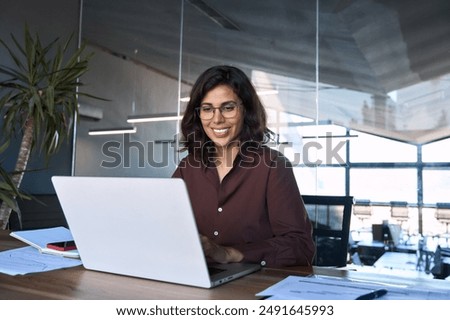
[29,260]
[333,288]
[313,288]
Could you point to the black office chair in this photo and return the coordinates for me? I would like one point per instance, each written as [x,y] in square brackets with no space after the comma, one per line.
[331,217]
[442,214]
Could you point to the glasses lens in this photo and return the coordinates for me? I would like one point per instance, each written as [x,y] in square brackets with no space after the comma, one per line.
[205,112]
[229,110]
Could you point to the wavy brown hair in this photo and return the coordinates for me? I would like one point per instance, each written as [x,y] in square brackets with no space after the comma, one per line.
[254,131]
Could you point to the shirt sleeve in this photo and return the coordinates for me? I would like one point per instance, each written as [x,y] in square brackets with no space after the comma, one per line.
[292,242]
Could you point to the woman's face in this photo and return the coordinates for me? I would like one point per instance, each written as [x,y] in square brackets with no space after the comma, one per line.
[222,130]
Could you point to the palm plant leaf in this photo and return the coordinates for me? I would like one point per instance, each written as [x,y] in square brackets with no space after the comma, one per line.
[43,86]
[39,100]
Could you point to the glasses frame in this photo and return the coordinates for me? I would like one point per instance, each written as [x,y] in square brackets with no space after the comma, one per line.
[221,108]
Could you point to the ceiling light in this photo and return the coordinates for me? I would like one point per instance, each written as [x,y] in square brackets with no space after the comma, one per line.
[154,117]
[100,132]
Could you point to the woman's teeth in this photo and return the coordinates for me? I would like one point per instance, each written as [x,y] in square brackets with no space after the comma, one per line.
[220,131]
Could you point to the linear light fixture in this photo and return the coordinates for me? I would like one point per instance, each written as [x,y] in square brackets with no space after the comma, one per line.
[101,132]
[154,117]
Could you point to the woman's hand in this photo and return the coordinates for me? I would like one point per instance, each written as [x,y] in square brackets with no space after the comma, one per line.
[219,253]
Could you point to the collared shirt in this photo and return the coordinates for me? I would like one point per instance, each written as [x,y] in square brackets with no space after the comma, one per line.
[257,208]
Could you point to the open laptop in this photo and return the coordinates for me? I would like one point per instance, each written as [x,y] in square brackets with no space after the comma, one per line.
[141,227]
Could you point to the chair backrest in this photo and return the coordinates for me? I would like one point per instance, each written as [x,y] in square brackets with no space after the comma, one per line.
[362,208]
[443,212]
[331,217]
[399,210]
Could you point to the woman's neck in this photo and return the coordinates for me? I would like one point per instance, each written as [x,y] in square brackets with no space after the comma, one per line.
[224,158]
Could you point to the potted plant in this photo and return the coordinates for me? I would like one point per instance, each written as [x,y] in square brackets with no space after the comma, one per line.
[38,100]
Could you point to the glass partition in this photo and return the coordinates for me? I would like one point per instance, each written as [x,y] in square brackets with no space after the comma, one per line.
[357,92]
[136,48]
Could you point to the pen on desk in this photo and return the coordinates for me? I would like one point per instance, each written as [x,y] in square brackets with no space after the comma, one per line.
[372,295]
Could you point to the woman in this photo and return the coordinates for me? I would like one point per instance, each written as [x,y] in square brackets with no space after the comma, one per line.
[244,195]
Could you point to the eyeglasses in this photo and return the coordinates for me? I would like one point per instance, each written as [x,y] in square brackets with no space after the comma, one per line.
[227,110]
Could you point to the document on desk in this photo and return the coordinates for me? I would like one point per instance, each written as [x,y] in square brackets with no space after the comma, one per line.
[333,288]
[29,260]
[316,288]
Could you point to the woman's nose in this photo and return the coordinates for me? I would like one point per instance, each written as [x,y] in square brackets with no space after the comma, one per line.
[218,117]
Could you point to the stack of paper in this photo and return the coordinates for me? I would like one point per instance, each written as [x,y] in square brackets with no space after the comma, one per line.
[37,257]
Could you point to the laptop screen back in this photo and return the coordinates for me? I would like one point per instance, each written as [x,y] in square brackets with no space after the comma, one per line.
[142,227]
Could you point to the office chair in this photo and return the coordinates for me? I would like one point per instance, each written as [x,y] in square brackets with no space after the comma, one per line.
[362,209]
[400,212]
[442,214]
[331,217]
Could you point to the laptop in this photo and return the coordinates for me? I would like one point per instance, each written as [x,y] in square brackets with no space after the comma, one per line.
[140,227]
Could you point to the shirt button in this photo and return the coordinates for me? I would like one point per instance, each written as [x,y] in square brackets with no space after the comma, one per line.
[263,263]
[219,209]
[216,233]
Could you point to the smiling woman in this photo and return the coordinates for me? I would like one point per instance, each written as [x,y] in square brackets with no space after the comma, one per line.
[244,195]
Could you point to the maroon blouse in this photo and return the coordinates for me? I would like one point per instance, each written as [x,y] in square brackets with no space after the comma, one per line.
[257,208]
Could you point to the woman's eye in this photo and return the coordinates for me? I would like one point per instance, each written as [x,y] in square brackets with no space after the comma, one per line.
[228,108]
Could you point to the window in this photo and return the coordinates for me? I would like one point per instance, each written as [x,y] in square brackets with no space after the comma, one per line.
[320,181]
[433,152]
[370,148]
[436,186]
[384,185]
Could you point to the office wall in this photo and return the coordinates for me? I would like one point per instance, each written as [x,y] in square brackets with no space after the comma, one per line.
[51,19]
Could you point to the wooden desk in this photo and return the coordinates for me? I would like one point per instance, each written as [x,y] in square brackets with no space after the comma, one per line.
[79,283]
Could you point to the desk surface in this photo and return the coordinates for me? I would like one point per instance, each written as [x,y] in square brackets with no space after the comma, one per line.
[397,260]
[79,283]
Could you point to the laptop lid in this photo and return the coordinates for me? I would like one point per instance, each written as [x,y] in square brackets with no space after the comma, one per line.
[141,227]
